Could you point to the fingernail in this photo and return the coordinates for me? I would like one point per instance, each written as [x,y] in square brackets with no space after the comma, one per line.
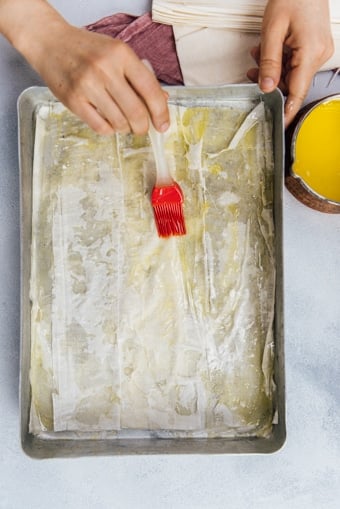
[164,127]
[267,83]
[289,106]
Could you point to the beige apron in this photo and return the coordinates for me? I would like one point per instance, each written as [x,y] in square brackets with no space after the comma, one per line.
[213,38]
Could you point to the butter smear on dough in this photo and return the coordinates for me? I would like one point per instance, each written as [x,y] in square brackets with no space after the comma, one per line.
[136,334]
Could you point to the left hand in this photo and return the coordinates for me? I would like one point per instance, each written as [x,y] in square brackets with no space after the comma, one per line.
[296,41]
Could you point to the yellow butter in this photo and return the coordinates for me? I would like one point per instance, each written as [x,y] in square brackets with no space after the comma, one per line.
[317,150]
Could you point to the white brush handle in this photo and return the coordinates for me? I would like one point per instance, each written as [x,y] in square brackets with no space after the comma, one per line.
[157,142]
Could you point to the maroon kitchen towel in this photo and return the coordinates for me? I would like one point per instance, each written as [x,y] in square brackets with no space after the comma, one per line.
[151,41]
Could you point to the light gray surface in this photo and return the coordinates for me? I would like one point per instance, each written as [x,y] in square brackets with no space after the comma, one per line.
[304,474]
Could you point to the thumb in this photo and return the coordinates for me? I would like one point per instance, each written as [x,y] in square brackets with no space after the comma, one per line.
[270,64]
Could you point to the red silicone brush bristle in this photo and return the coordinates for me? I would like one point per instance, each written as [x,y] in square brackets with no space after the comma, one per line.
[167,202]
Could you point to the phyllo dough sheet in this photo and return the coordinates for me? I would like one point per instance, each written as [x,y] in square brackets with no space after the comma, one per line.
[133,332]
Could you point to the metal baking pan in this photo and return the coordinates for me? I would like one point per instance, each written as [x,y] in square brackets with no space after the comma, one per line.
[60,444]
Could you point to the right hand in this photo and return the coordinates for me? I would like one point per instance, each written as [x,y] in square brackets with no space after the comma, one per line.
[97,77]
[103,82]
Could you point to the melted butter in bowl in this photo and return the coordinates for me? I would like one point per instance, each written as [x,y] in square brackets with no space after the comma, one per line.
[316,150]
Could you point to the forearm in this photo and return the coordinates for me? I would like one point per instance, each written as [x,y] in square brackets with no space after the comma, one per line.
[98,78]
[26,24]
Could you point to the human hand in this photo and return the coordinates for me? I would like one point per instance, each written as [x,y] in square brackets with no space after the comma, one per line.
[296,41]
[98,78]
[103,82]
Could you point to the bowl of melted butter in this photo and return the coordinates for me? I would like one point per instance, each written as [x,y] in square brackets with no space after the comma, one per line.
[314,173]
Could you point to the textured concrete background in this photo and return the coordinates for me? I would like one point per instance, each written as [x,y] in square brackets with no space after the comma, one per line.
[304,474]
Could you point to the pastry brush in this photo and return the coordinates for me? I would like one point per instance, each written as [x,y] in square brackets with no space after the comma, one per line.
[167,196]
